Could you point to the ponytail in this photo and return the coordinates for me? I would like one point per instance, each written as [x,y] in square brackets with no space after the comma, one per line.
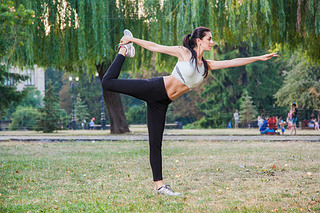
[189,41]
[186,41]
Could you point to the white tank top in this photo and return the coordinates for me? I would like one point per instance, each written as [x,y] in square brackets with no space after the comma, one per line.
[187,73]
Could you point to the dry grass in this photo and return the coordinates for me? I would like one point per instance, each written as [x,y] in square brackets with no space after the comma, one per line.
[116,177]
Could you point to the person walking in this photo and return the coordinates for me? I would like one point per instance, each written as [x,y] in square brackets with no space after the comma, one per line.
[158,92]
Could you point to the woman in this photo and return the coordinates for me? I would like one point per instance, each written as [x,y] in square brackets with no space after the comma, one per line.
[294,111]
[159,92]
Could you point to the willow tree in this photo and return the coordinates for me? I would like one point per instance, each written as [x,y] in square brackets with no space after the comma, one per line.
[78,35]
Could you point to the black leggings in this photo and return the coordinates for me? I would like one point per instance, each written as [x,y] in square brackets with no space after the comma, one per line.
[151,91]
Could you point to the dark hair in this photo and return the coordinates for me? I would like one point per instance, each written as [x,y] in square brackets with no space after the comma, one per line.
[294,104]
[190,41]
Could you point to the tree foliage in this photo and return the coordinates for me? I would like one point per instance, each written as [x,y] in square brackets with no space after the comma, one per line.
[13,25]
[81,110]
[301,83]
[52,118]
[93,28]
[24,118]
[247,111]
[223,88]
[33,98]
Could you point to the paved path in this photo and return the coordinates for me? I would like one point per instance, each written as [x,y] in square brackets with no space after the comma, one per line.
[167,137]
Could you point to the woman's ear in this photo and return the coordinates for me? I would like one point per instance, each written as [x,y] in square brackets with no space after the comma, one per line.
[198,41]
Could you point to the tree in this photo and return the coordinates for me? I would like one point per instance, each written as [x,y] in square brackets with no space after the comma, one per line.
[24,118]
[93,28]
[55,76]
[33,98]
[301,83]
[8,90]
[52,118]
[81,111]
[13,24]
[89,88]
[247,111]
[223,88]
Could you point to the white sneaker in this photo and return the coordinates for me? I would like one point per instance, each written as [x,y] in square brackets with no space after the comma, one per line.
[166,190]
[130,48]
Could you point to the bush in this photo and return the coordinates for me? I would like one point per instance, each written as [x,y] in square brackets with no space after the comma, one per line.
[137,114]
[24,118]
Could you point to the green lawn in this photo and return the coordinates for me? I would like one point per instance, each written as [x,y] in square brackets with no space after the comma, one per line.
[143,129]
[116,177]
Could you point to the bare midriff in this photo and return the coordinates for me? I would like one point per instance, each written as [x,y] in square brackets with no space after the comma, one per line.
[174,87]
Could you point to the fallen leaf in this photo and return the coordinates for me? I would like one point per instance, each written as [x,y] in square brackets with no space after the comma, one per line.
[274,167]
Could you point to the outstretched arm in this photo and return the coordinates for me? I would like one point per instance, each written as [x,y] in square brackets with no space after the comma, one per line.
[215,65]
[177,51]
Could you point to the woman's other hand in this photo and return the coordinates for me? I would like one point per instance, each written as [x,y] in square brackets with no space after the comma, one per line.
[267,57]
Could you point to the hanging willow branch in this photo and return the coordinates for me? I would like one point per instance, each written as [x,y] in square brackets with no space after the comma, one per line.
[69,34]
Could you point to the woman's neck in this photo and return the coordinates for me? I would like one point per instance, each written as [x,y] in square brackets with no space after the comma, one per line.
[199,54]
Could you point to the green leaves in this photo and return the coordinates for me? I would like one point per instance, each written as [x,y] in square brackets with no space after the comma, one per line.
[301,83]
[52,117]
[247,109]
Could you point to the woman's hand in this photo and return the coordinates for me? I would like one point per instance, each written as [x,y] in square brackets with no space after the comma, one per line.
[267,57]
[125,40]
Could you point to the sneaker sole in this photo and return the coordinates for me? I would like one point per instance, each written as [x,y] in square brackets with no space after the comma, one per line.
[127,32]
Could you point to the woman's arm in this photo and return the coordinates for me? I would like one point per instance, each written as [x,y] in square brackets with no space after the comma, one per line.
[178,51]
[215,65]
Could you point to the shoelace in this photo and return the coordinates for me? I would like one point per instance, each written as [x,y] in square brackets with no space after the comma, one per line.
[167,187]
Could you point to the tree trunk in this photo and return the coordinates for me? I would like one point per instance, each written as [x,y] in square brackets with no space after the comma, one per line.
[118,121]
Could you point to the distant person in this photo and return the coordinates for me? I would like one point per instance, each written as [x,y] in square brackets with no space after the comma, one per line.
[260,121]
[236,119]
[92,124]
[294,111]
[312,118]
[282,125]
[316,124]
[289,119]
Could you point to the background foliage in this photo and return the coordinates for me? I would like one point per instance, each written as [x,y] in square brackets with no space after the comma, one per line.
[240,28]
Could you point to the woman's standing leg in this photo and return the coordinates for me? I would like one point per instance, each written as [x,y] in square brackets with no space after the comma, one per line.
[156,114]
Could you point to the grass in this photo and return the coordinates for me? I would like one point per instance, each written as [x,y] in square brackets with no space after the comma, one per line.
[116,177]
[143,129]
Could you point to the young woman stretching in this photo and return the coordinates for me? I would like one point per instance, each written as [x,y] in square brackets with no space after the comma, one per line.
[159,92]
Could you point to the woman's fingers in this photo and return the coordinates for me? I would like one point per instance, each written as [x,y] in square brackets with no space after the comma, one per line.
[269,56]
[124,40]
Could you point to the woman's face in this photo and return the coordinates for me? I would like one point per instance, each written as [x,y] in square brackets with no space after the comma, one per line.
[206,42]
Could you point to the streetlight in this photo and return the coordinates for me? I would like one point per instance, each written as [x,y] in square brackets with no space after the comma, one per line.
[103,119]
[74,124]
